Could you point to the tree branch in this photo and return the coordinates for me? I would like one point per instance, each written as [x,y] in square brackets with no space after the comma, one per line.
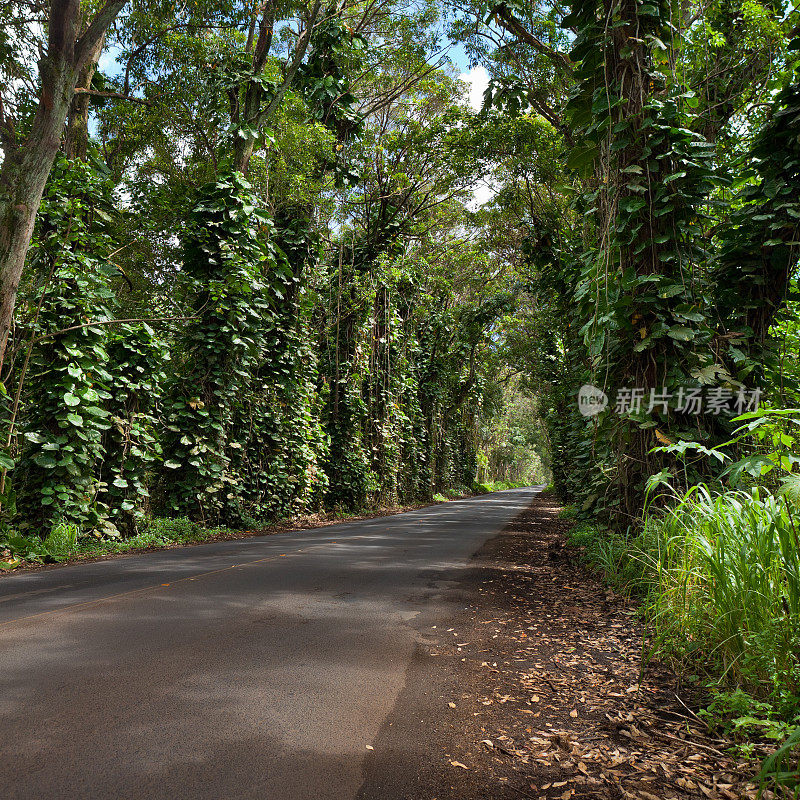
[114,95]
[109,322]
[300,52]
[264,42]
[97,28]
[512,24]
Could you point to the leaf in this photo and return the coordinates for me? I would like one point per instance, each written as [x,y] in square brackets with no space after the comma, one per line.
[791,488]
[172,464]
[681,333]
[671,290]
[632,204]
[582,157]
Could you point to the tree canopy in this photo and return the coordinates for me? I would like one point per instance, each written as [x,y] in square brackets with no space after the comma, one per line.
[245,275]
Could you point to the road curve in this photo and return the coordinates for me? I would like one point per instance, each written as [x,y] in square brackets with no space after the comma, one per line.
[257,668]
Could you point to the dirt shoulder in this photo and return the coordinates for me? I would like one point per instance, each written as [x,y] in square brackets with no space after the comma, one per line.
[536,690]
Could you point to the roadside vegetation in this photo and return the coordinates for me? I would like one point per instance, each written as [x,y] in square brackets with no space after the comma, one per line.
[718,576]
[717,570]
[266,260]
[65,543]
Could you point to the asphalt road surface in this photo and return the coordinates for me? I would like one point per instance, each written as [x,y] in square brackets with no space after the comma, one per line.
[257,668]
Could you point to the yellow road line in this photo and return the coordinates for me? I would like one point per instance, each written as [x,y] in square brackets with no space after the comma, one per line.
[161,585]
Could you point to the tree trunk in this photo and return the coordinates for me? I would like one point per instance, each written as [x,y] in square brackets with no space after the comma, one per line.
[27,163]
[77,135]
[24,174]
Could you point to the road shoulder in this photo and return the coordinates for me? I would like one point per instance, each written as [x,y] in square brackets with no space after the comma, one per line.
[534,689]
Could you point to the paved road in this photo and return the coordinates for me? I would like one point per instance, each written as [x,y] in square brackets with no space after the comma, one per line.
[259,668]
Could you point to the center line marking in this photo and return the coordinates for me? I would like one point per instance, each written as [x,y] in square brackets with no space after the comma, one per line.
[159,585]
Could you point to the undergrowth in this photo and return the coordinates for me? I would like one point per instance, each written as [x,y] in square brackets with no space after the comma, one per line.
[65,542]
[496,486]
[719,579]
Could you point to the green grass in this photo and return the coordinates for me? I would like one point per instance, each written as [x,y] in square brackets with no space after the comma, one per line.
[719,578]
[64,542]
[161,533]
[726,587]
[569,512]
[60,544]
[614,556]
[496,486]
[720,574]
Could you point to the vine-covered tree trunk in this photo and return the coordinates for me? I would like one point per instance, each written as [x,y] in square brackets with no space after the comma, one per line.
[76,139]
[28,162]
[652,178]
[760,245]
[67,382]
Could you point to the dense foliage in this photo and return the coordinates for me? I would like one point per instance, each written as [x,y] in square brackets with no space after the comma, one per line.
[259,282]
[193,342]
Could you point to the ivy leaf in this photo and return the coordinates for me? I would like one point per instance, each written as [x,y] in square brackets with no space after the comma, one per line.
[582,157]
[681,333]
[75,419]
[71,400]
[632,204]
[172,464]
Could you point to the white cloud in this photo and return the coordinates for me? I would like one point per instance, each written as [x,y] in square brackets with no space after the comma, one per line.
[477,79]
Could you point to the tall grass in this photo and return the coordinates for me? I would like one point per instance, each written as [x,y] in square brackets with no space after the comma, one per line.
[62,541]
[724,574]
[720,578]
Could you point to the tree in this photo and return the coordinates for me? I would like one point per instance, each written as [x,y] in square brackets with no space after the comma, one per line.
[28,154]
